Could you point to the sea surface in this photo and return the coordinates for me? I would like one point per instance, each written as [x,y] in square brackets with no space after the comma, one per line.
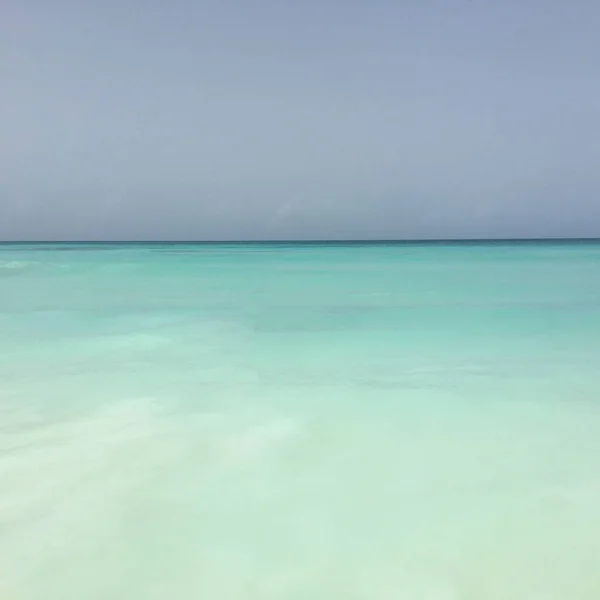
[300,421]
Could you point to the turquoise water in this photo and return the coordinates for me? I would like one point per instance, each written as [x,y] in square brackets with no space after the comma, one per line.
[340,421]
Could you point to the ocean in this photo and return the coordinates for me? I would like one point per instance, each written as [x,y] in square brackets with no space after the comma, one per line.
[339,421]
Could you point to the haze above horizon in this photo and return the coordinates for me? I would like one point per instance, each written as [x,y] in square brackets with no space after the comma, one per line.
[300,121]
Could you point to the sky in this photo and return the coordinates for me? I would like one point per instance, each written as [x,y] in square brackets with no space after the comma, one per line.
[299,119]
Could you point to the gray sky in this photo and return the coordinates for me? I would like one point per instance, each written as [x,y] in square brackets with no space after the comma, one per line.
[255,119]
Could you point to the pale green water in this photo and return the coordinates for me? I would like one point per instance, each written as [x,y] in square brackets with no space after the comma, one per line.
[375,422]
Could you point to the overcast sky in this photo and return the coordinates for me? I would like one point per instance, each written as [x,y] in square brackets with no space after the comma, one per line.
[275,119]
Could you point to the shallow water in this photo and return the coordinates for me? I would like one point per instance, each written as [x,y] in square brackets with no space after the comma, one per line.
[387,421]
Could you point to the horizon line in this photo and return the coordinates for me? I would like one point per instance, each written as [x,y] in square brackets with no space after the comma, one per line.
[310,241]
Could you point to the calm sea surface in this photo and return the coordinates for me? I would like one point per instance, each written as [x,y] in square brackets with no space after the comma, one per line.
[300,422]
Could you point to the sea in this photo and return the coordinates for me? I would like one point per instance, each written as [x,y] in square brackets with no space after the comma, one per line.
[300,421]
